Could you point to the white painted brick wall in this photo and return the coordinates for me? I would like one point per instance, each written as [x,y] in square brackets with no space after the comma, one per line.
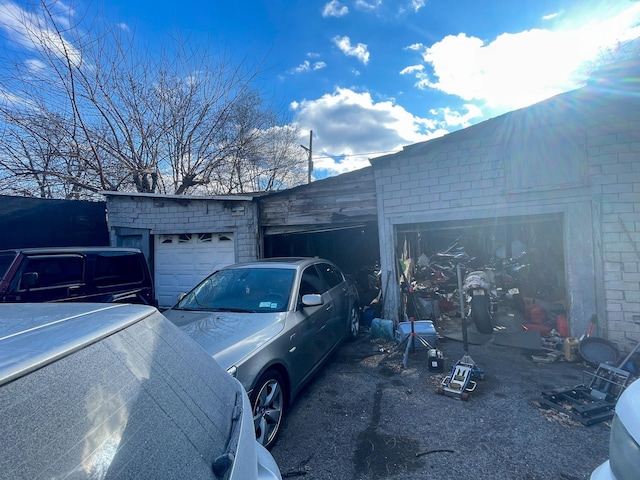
[468,175]
[158,215]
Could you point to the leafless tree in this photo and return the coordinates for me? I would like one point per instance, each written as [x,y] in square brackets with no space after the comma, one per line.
[84,109]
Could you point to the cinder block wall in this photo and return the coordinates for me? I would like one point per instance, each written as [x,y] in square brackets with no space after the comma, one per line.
[577,154]
[614,174]
[174,215]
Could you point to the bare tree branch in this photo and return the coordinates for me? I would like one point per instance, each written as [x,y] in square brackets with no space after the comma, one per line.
[83,109]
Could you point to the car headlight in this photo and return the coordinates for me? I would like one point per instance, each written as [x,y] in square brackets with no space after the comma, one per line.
[624,452]
[233,371]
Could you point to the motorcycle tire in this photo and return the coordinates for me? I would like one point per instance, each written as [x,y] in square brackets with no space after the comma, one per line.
[481,315]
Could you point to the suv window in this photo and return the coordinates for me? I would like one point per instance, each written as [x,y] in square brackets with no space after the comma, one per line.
[53,271]
[6,259]
[117,269]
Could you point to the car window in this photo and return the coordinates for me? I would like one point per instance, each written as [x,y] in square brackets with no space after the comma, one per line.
[55,271]
[331,274]
[311,282]
[118,269]
[242,289]
[6,259]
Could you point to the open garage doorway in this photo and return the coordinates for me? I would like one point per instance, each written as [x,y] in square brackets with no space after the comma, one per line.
[521,252]
[355,250]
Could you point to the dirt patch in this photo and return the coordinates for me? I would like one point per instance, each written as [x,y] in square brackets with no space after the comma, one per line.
[378,455]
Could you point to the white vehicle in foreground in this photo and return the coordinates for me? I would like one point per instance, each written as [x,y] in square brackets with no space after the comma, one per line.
[117,392]
[624,443]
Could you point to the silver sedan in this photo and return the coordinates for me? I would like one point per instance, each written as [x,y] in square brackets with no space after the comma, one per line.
[272,324]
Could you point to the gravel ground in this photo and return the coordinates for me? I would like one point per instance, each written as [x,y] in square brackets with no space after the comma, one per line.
[366,417]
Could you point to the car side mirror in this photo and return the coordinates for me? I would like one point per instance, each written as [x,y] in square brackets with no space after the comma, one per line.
[312,300]
[29,280]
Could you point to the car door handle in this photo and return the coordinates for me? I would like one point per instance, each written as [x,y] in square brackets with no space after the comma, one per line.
[73,291]
[329,307]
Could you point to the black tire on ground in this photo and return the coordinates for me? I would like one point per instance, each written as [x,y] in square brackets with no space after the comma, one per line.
[268,405]
[480,314]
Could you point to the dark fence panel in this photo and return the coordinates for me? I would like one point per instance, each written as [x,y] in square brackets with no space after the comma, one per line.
[33,222]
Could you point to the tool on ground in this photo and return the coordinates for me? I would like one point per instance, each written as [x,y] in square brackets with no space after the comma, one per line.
[460,381]
[596,402]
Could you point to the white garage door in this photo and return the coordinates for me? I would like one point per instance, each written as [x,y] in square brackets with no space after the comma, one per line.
[181,261]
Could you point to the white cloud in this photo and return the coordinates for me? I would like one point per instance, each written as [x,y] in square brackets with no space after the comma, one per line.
[7,97]
[416,5]
[360,51]
[516,70]
[550,16]
[412,69]
[415,47]
[459,119]
[35,65]
[307,66]
[29,31]
[350,127]
[367,6]
[334,9]
[303,67]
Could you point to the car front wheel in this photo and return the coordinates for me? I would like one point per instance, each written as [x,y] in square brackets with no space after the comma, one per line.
[268,402]
[354,322]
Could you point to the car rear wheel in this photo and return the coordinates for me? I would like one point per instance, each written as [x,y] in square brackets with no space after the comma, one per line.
[268,402]
[354,322]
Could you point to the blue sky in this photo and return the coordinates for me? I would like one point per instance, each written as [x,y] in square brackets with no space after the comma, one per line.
[371,76]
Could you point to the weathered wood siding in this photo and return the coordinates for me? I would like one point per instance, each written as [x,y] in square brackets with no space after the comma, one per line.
[345,199]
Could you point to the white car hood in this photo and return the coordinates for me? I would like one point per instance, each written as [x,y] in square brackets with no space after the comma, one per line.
[228,336]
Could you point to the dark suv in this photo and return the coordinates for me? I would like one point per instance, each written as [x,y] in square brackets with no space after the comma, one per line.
[75,274]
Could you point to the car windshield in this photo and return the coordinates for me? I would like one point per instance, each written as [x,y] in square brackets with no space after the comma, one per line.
[242,290]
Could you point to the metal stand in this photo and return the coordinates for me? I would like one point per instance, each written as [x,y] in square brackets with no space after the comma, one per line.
[408,343]
[459,383]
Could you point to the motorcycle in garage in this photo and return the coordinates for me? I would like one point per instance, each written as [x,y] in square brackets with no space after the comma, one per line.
[481,295]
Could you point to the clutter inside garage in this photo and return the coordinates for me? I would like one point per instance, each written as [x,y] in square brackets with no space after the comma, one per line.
[516,267]
[519,261]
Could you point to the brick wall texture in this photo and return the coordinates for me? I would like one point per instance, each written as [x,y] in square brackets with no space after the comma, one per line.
[580,148]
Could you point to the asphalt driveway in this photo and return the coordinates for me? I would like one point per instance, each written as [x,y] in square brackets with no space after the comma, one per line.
[366,417]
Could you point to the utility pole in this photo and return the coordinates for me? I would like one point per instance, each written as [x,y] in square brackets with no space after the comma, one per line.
[309,150]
